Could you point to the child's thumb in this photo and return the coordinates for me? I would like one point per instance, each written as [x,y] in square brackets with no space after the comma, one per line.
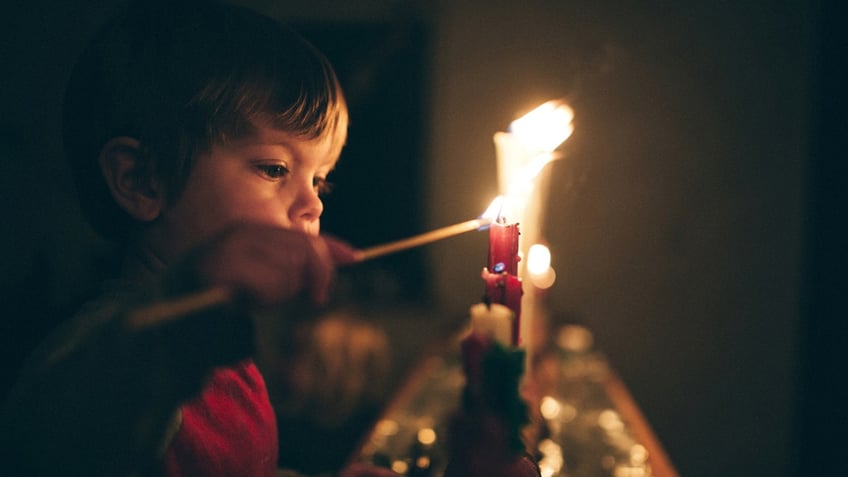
[341,252]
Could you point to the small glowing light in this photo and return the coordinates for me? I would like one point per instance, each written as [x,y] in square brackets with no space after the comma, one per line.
[426,436]
[550,408]
[550,466]
[567,412]
[610,421]
[608,462]
[574,338]
[387,427]
[545,470]
[400,467]
[538,259]
[544,281]
[627,471]
[638,454]
[548,447]
[494,210]
[551,462]
[422,462]
[544,128]
[541,274]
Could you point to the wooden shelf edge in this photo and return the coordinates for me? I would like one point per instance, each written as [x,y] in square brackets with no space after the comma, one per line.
[661,465]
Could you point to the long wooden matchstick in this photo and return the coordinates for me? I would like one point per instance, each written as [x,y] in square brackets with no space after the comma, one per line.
[167,310]
[419,240]
[164,311]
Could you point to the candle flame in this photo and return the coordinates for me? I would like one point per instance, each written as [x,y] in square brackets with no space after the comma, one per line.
[493,212]
[530,171]
[537,133]
[523,154]
[544,128]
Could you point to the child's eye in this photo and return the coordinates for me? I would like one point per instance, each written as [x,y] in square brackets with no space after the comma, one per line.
[273,171]
[322,186]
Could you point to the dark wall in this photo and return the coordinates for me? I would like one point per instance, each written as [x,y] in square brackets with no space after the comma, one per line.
[677,217]
[824,329]
[49,260]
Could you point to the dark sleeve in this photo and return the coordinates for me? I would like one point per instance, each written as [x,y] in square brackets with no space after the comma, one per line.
[100,398]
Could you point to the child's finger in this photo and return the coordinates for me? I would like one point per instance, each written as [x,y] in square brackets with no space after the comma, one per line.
[320,269]
[341,252]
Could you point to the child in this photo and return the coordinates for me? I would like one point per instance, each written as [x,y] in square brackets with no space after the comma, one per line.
[200,136]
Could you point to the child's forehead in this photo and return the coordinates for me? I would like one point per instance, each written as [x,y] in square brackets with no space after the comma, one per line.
[263,136]
[269,136]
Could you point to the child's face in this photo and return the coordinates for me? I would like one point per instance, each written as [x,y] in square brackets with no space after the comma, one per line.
[271,177]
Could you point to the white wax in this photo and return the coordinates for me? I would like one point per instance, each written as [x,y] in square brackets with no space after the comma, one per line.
[494,320]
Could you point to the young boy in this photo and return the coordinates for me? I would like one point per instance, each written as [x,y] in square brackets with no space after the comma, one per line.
[200,136]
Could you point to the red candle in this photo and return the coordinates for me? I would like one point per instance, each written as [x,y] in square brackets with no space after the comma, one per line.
[501,275]
[503,248]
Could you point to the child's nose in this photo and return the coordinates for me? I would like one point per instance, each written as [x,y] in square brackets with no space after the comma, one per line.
[307,209]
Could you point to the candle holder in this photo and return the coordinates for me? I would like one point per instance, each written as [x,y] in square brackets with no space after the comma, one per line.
[485,436]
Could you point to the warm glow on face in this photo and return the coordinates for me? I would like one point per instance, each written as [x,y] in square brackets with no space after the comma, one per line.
[544,128]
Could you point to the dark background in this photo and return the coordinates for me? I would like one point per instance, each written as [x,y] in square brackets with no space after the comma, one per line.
[695,225]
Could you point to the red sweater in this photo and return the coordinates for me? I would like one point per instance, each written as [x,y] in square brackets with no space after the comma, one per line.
[229,430]
[98,398]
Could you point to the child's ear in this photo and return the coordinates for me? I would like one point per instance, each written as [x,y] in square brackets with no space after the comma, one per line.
[131,184]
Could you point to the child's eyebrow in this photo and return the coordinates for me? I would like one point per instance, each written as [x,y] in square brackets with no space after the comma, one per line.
[264,149]
[291,151]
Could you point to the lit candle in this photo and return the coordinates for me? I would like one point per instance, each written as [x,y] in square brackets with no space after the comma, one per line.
[503,248]
[523,154]
[503,287]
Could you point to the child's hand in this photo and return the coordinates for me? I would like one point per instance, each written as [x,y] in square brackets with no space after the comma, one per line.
[270,265]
